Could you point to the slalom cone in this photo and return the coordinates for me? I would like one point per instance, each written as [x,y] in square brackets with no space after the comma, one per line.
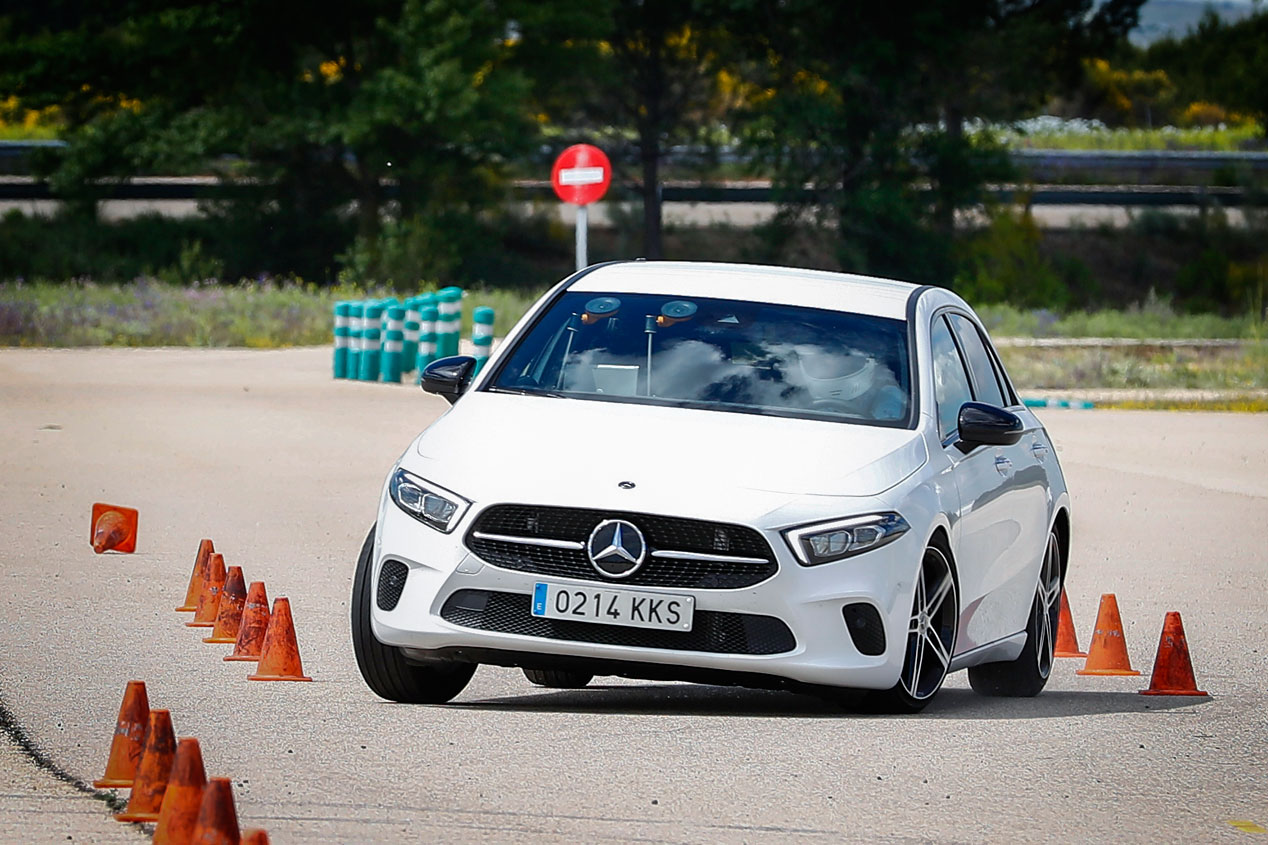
[1108,652]
[209,598]
[184,795]
[217,819]
[255,836]
[279,657]
[1067,642]
[196,578]
[113,528]
[152,771]
[255,621]
[129,738]
[1173,671]
[229,613]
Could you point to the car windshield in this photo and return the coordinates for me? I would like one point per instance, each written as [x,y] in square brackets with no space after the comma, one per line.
[715,354]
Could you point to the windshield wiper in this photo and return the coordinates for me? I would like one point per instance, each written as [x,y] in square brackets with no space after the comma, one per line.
[527,391]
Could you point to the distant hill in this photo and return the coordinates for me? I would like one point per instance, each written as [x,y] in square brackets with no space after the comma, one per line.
[1162,18]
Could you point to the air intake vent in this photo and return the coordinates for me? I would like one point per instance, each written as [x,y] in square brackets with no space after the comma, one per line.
[391,584]
[865,627]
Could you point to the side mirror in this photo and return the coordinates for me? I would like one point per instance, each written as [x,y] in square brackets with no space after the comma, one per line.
[981,424]
[449,377]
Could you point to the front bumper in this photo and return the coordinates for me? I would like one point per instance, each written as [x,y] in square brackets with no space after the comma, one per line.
[444,575]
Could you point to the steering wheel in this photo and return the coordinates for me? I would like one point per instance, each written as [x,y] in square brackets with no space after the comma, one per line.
[834,406]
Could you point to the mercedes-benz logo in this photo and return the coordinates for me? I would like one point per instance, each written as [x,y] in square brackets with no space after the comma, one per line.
[616,548]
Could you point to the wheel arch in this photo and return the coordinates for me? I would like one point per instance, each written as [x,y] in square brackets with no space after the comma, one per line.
[1061,526]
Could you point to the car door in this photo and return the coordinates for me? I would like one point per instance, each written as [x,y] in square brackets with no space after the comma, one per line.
[1003,505]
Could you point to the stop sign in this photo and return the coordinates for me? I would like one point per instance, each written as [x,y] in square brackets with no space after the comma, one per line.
[581,174]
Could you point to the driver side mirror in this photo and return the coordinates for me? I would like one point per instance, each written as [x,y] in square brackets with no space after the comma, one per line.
[449,377]
[981,424]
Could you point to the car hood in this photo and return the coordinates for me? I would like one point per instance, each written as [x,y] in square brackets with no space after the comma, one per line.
[500,447]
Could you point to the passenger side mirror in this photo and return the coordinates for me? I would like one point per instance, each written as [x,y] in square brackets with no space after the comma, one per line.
[449,377]
[981,424]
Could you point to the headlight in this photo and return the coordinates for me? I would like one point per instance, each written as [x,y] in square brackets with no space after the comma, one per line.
[426,502]
[829,541]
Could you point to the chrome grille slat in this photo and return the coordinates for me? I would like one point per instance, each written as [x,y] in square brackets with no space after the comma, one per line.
[683,553]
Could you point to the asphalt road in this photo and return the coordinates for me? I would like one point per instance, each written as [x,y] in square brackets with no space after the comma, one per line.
[282,467]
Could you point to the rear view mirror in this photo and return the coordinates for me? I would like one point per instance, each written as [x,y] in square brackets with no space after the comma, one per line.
[981,424]
[449,377]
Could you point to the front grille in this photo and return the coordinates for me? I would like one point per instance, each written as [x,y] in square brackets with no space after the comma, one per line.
[661,533]
[718,633]
[391,584]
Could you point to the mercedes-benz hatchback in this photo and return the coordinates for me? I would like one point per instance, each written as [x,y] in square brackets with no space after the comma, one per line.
[727,474]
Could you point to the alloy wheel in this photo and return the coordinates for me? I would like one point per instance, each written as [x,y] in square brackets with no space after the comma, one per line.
[1048,605]
[931,632]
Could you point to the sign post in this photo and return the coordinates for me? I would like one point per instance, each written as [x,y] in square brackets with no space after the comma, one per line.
[581,175]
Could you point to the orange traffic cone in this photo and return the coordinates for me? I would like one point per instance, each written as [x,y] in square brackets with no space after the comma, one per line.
[217,819]
[1108,653]
[1067,642]
[113,528]
[209,598]
[1173,671]
[183,797]
[255,621]
[129,738]
[229,613]
[152,771]
[279,657]
[255,836]
[196,578]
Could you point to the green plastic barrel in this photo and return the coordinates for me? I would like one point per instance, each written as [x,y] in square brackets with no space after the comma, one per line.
[428,346]
[482,334]
[449,303]
[409,355]
[356,312]
[342,331]
[370,339]
[393,350]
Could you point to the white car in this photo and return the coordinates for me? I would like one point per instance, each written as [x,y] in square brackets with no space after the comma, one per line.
[728,474]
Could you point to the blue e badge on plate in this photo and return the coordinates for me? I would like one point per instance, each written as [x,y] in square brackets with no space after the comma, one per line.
[539,599]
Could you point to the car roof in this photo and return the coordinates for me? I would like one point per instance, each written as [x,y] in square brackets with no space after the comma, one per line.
[752,283]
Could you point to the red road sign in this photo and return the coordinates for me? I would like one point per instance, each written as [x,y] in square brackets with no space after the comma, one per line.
[581,174]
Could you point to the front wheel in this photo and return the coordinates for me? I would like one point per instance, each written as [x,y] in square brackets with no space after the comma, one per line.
[1028,674]
[384,668]
[935,614]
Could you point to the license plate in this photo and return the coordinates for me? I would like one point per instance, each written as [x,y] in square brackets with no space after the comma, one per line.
[630,608]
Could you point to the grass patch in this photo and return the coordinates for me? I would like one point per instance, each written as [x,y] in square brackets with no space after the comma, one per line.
[262,315]
[1089,135]
[1151,320]
[1238,368]
[1244,405]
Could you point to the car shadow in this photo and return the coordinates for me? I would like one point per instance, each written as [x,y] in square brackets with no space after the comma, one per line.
[704,700]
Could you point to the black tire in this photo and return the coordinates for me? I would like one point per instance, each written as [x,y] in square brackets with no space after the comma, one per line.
[558,678]
[384,668]
[935,615]
[1028,674]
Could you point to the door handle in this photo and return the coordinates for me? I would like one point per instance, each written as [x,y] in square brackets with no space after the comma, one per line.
[1039,450]
[1003,465]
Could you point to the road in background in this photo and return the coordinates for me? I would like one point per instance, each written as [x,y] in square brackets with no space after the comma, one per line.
[283,467]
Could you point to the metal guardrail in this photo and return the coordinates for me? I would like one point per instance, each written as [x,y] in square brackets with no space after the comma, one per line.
[22,188]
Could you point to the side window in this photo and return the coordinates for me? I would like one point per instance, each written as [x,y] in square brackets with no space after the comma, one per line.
[950,382]
[986,385]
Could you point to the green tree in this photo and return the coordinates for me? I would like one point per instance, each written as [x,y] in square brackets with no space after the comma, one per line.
[1218,62]
[866,106]
[319,110]
[644,71]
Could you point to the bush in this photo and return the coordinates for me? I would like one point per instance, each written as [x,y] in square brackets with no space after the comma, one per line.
[1003,263]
